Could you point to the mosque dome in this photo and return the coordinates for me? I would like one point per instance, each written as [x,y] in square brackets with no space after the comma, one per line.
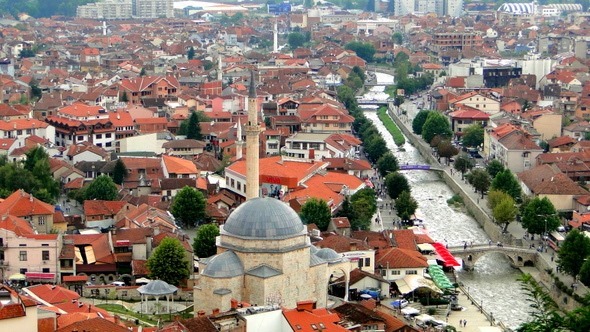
[224,265]
[266,218]
[328,255]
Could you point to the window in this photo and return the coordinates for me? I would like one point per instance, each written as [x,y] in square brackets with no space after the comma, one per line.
[45,255]
[232,183]
[98,136]
[109,144]
[411,272]
[80,138]
[22,245]
[124,293]
[23,271]
[360,262]
[367,261]
[41,220]
[395,273]
[23,256]
[107,135]
[46,270]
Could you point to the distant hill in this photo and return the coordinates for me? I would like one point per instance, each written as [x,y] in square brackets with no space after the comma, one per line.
[41,8]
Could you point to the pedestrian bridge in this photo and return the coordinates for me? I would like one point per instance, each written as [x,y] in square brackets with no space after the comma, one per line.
[518,256]
[419,168]
[364,101]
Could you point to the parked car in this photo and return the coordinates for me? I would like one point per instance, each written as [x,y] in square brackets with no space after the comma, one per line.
[398,304]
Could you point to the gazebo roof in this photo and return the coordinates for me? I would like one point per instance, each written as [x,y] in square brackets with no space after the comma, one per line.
[157,287]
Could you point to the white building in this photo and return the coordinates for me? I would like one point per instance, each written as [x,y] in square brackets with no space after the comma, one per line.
[106,9]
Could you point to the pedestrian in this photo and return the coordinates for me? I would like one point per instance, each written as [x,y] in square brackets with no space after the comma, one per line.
[464,322]
[465,245]
[490,243]
[552,257]
[460,322]
[471,244]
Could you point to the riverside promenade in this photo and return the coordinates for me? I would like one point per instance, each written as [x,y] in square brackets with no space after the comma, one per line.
[478,208]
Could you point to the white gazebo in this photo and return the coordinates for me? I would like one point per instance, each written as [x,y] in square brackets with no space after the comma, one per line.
[156,288]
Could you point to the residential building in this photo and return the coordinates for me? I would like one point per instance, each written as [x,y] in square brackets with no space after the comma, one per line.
[546,181]
[359,253]
[17,312]
[512,147]
[142,87]
[184,147]
[326,119]
[153,8]
[101,214]
[106,10]
[455,40]
[20,129]
[152,143]
[476,100]
[38,213]
[23,251]
[86,151]
[174,167]
[466,116]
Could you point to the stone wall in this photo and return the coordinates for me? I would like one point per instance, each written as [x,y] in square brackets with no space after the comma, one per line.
[493,230]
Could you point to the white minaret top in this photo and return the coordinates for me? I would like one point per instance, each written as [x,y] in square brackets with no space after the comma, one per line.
[239,142]
[275,38]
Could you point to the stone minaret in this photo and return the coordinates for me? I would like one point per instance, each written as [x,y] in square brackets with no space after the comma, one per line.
[252,144]
[239,142]
[275,38]
[219,69]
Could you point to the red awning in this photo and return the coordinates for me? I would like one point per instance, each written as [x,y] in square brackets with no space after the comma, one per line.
[75,278]
[445,255]
[39,275]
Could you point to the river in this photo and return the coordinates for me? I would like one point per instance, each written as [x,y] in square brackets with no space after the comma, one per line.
[493,280]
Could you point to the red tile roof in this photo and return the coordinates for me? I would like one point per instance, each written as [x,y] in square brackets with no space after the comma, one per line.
[175,165]
[22,204]
[93,325]
[99,207]
[313,321]
[52,294]
[19,226]
[79,109]
[397,258]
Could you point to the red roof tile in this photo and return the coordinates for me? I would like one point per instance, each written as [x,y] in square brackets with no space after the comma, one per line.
[22,204]
[52,294]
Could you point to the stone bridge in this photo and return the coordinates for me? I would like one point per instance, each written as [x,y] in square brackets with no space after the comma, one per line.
[518,256]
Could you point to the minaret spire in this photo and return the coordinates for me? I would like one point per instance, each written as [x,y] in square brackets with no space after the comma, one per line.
[239,142]
[252,144]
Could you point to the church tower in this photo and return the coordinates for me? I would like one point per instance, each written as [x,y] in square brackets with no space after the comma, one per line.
[252,144]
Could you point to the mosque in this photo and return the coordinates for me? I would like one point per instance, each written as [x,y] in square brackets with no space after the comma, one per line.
[264,254]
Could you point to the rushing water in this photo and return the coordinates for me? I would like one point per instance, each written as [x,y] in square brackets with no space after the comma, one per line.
[494,280]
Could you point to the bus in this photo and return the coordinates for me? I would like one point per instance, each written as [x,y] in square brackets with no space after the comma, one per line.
[555,239]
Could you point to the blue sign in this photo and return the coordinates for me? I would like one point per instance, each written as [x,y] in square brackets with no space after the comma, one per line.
[279,8]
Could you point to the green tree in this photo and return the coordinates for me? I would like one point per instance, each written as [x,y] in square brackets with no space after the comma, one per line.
[36,92]
[204,242]
[419,121]
[375,147]
[101,188]
[494,167]
[585,275]
[191,53]
[189,207]
[346,210]
[480,180]
[504,212]
[365,51]
[436,124]
[295,40]
[26,53]
[540,216]
[506,181]
[142,72]
[446,150]
[405,205]
[572,252]
[193,128]
[473,135]
[397,38]
[495,197]
[463,163]
[544,311]
[387,163]
[168,262]
[120,172]
[396,183]
[316,211]
[124,98]
[362,211]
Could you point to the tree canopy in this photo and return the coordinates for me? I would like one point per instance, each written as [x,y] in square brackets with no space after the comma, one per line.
[572,252]
[365,51]
[168,262]
[480,180]
[120,172]
[436,124]
[405,205]
[204,242]
[539,216]
[473,135]
[494,167]
[296,40]
[189,207]
[419,121]
[505,211]
[396,183]
[463,163]
[363,205]
[101,188]
[506,181]
[387,163]
[446,150]
[316,211]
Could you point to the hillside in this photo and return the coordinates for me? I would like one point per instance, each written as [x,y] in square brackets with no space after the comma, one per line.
[41,8]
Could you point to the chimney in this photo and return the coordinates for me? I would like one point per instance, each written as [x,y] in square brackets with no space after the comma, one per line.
[201,313]
[234,304]
[306,305]
[215,311]
[353,246]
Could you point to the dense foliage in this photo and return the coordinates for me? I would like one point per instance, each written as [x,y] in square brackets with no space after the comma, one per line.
[189,207]
[396,183]
[101,188]
[539,215]
[365,51]
[316,211]
[479,179]
[463,164]
[419,120]
[405,205]
[572,252]
[506,181]
[436,124]
[204,242]
[387,164]
[39,8]
[473,135]
[168,262]
[359,209]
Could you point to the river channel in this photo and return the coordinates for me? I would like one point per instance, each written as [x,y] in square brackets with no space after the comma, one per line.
[493,282]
